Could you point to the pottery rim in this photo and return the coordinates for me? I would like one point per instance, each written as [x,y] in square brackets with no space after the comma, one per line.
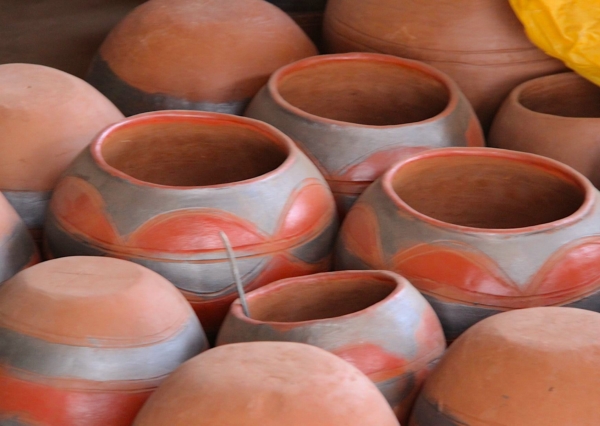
[551,166]
[202,118]
[274,81]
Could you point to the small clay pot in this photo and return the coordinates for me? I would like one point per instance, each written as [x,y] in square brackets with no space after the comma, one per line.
[375,320]
[48,117]
[480,231]
[557,116]
[479,43]
[195,54]
[536,366]
[17,249]
[158,188]
[266,384]
[357,114]
[86,340]
[308,14]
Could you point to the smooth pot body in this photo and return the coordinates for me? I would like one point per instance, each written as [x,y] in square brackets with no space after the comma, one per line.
[535,366]
[479,231]
[557,116]
[195,54]
[357,114]
[86,340]
[158,189]
[266,384]
[375,320]
[308,14]
[479,43]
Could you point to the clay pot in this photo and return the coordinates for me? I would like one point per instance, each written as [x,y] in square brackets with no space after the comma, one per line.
[479,43]
[157,189]
[266,384]
[195,54]
[63,34]
[357,114]
[557,116]
[480,231]
[86,340]
[17,249]
[47,118]
[308,14]
[535,366]
[375,320]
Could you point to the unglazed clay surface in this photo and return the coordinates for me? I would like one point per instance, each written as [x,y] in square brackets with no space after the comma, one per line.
[375,320]
[480,231]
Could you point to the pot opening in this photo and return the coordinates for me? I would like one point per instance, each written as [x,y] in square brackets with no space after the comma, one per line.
[320,299]
[488,192]
[564,95]
[364,92]
[190,154]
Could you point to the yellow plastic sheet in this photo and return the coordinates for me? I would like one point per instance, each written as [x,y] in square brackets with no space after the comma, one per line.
[566,29]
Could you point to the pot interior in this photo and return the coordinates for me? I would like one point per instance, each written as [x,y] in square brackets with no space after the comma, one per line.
[488,192]
[565,95]
[192,154]
[377,93]
[320,299]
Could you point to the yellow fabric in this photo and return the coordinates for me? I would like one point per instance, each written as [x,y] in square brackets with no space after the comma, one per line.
[566,29]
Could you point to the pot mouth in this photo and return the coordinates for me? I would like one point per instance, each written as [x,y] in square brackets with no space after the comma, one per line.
[321,296]
[369,90]
[191,149]
[565,95]
[486,190]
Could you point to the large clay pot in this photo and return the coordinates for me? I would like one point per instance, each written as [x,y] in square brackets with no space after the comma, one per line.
[47,117]
[479,43]
[357,114]
[266,384]
[375,320]
[195,54]
[63,34]
[536,366]
[480,231]
[17,249]
[308,14]
[86,340]
[557,116]
[157,189]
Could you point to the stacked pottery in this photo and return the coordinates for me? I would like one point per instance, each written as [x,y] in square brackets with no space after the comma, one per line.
[86,340]
[535,366]
[557,116]
[159,188]
[357,114]
[375,320]
[480,231]
[47,117]
[17,249]
[479,43]
[195,54]
[266,384]
[308,14]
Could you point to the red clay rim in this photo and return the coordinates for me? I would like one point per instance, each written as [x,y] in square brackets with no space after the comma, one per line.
[277,76]
[515,156]
[202,118]
[308,280]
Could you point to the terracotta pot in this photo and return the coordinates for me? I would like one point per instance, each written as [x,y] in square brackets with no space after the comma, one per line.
[479,231]
[63,34]
[357,114]
[266,384]
[536,366]
[17,249]
[479,43]
[86,340]
[195,54]
[557,116]
[375,320]
[157,189]
[308,14]
[47,119]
